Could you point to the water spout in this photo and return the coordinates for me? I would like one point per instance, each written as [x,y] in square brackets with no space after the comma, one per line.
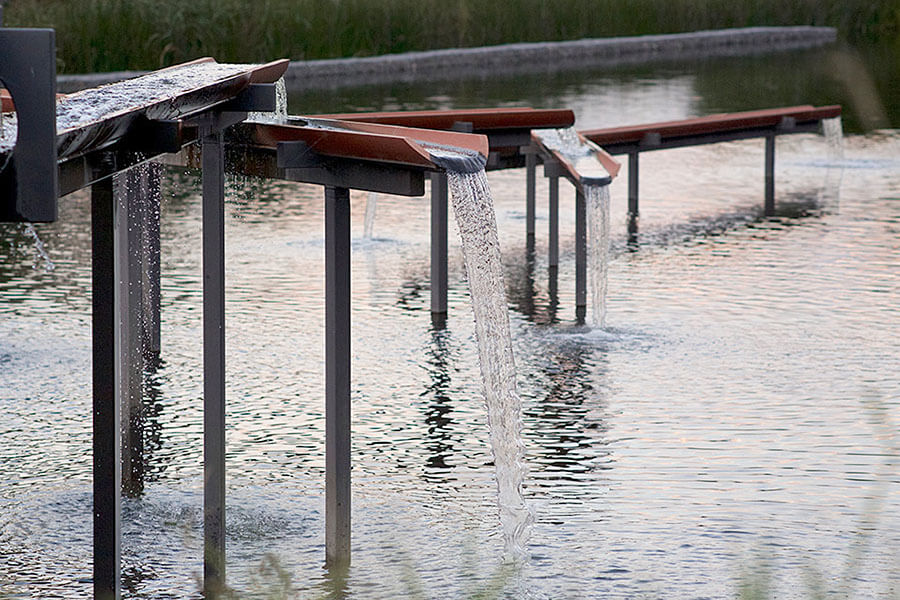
[369,220]
[597,197]
[41,258]
[474,209]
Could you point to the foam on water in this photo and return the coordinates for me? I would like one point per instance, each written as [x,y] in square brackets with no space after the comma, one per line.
[597,197]
[474,209]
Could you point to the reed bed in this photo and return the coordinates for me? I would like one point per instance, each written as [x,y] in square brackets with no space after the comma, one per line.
[108,35]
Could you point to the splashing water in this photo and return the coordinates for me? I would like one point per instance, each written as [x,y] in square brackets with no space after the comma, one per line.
[833,130]
[474,209]
[41,258]
[597,197]
[279,117]
[369,221]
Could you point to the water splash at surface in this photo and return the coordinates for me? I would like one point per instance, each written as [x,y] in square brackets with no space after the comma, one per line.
[597,197]
[41,258]
[474,209]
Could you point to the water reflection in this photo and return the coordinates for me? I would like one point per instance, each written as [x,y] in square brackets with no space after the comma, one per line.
[440,442]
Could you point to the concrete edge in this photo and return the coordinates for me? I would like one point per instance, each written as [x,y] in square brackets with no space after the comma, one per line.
[459,63]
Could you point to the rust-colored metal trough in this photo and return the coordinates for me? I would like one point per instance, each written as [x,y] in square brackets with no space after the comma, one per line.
[710,129]
[353,155]
[508,129]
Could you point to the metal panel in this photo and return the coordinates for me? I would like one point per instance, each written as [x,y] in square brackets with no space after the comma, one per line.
[28,183]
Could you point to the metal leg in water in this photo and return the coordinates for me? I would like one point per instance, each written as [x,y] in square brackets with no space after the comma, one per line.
[530,184]
[438,246]
[553,253]
[130,193]
[580,257]
[337,376]
[152,345]
[213,365]
[770,176]
[107,446]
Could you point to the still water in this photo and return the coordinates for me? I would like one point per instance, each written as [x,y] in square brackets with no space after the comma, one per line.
[734,423]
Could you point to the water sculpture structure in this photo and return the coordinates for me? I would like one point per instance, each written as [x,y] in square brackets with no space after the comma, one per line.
[51,148]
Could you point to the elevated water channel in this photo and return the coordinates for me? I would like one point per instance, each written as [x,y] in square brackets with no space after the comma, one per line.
[737,415]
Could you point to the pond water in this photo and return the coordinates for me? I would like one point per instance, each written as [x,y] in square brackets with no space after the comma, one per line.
[734,424]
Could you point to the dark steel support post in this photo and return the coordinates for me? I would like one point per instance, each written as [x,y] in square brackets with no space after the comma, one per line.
[129,192]
[553,253]
[580,256]
[107,446]
[530,185]
[439,244]
[633,170]
[337,376]
[770,176]
[213,365]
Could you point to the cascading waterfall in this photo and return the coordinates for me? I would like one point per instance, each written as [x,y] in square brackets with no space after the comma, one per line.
[369,220]
[474,209]
[833,130]
[597,199]
[570,145]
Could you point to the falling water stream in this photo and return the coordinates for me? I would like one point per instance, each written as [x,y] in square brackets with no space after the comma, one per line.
[573,148]
[369,221]
[474,210]
[597,198]
[41,258]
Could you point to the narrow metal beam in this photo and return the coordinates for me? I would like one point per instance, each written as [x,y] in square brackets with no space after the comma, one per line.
[633,208]
[107,446]
[769,207]
[553,252]
[438,243]
[530,184]
[337,376]
[580,256]
[213,365]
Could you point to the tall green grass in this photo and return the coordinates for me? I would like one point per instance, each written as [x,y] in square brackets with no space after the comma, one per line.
[103,35]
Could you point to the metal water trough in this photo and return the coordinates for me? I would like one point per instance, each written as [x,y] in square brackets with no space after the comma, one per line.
[513,143]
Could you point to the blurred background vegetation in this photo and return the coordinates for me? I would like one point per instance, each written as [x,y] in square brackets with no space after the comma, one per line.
[111,35]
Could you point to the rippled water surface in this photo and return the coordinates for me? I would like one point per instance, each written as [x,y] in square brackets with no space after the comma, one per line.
[736,420]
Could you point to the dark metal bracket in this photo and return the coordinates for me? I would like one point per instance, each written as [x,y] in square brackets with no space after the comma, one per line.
[28,70]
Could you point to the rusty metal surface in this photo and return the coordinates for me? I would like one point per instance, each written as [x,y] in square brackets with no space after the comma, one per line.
[360,141]
[711,124]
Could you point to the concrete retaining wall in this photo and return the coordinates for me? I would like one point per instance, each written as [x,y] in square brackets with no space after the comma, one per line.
[458,63]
